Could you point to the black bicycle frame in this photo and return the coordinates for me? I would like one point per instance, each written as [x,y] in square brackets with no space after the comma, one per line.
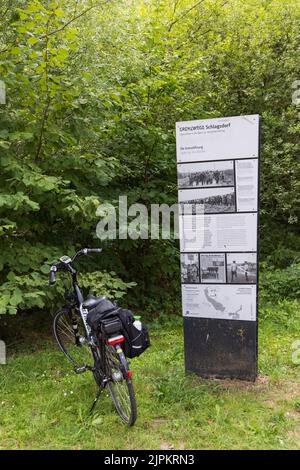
[77,290]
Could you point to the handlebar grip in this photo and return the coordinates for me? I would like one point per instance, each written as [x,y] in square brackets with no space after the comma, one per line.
[93,250]
[52,278]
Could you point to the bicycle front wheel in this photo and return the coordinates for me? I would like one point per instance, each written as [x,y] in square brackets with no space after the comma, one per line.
[120,384]
[70,335]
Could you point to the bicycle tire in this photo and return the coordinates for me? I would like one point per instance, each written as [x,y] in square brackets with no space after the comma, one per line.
[78,354]
[121,390]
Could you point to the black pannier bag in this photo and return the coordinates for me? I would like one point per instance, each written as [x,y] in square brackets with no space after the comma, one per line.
[111,326]
[136,341]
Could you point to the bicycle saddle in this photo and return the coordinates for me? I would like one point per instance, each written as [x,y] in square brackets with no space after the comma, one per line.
[92,301]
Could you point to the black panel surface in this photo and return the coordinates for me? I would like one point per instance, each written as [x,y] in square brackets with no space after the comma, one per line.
[221,348]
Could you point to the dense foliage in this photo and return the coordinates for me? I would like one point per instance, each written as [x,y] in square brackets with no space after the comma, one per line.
[93,90]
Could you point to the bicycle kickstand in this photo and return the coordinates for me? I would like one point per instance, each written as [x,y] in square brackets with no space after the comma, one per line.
[100,391]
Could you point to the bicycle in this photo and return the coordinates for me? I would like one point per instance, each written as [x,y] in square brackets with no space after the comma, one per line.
[98,352]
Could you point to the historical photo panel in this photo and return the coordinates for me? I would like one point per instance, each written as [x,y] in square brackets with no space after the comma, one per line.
[206,174]
[218,193]
[241,268]
[212,200]
[212,268]
[190,272]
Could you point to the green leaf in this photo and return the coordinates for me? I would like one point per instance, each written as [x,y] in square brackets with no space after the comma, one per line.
[12,310]
[16,297]
[11,276]
[45,269]
[31,41]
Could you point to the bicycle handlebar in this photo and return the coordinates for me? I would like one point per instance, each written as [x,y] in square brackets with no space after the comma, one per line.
[67,264]
[86,251]
[52,278]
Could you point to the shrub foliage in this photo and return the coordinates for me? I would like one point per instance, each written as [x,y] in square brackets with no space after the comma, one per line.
[93,91]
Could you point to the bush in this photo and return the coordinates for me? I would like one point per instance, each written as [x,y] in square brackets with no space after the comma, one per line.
[279,284]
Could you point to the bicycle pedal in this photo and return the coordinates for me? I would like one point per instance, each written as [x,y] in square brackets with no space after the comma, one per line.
[80,370]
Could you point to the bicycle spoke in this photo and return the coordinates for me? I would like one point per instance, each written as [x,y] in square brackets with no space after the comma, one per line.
[121,389]
[78,354]
[66,333]
[67,327]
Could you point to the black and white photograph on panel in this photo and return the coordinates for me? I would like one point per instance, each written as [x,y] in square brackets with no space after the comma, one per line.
[206,174]
[241,268]
[210,200]
[212,268]
[190,268]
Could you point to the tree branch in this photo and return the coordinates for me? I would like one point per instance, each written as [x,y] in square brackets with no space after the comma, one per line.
[43,123]
[74,18]
[48,100]
[50,33]
[207,30]
[184,14]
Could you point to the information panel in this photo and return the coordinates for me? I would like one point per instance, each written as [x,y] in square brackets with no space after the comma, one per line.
[218,169]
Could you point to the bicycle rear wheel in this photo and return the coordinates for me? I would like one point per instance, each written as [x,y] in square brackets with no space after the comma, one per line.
[120,384]
[70,335]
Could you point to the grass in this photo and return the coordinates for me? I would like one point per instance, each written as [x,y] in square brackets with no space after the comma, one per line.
[43,405]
